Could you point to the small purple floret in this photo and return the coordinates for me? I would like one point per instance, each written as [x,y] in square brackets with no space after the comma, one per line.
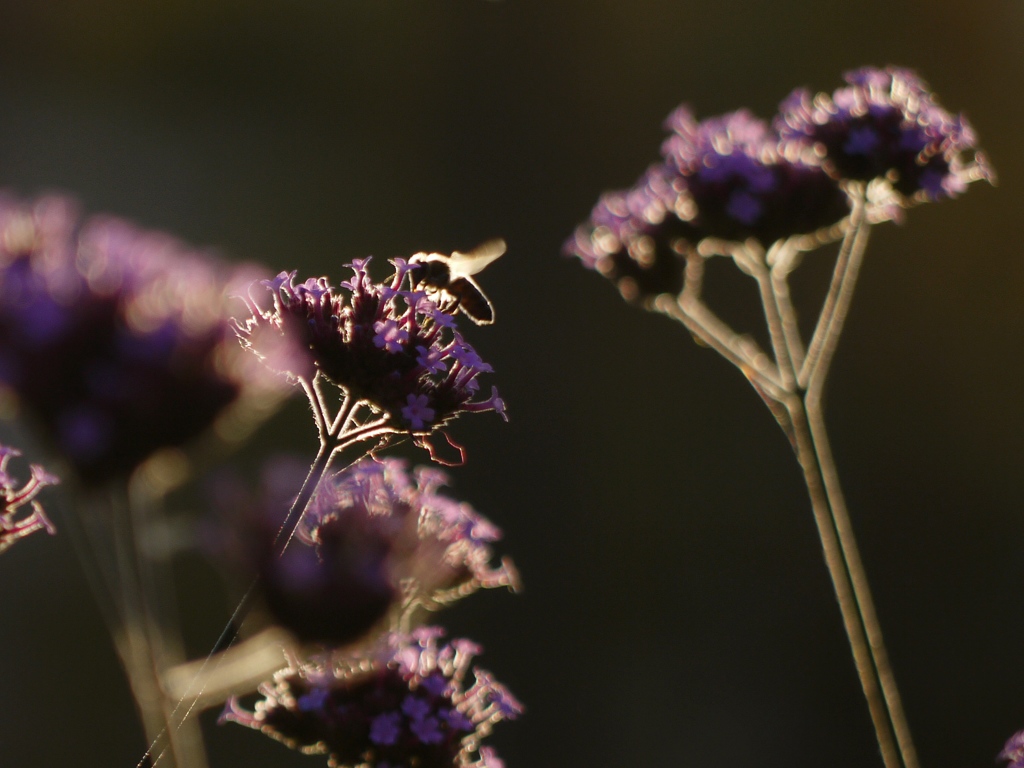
[417,413]
[389,336]
[386,728]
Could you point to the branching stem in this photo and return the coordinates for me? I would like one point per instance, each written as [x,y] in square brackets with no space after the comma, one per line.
[791,385]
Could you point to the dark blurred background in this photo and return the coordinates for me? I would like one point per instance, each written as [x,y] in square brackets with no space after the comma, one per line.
[677,609]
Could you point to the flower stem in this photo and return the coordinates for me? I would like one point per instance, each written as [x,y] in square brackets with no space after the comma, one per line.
[840,292]
[817,366]
[861,591]
[852,592]
[791,385]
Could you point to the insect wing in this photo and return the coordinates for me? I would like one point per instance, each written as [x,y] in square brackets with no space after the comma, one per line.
[471,300]
[466,264]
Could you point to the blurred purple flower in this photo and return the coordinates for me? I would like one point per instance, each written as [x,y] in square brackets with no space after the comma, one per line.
[391,348]
[374,543]
[736,184]
[1013,750]
[886,124]
[403,702]
[116,341]
[14,523]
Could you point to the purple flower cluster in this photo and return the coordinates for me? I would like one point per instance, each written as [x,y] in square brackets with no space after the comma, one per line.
[736,177]
[391,348]
[887,124]
[116,341]
[732,179]
[403,703]
[14,523]
[374,543]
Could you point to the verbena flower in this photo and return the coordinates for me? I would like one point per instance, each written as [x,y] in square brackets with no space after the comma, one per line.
[726,177]
[391,348]
[403,703]
[375,542]
[634,241]
[116,341]
[14,522]
[737,184]
[1013,750]
[886,124]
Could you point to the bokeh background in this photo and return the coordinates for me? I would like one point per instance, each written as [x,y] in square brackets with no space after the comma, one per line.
[677,610]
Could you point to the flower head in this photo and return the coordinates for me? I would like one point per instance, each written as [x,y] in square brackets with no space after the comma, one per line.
[404,702]
[725,177]
[115,340]
[737,184]
[391,348]
[886,124]
[375,542]
[14,523]
[634,240]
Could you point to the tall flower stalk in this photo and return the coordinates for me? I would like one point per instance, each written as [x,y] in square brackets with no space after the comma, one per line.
[828,169]
[377,362]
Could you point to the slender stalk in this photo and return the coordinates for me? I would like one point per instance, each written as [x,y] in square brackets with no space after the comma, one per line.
[157,600]
[791,386]
[852,248]
[844,572]
[781,258]
[317,470]
[776,331]
[817,375]
[858,579]
[344,416]
[141,660]
[743,352]
[731,348]
[336,435]
[317,405]
[833,316]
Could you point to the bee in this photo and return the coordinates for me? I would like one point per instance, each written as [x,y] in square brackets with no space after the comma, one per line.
[449,279]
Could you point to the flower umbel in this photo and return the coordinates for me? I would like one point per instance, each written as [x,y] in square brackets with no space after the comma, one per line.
[735,182]
[388,348]
[726,178]
[827,170]
[14,523]
[115,340]
[886,124]
[403,703]
[375,543]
